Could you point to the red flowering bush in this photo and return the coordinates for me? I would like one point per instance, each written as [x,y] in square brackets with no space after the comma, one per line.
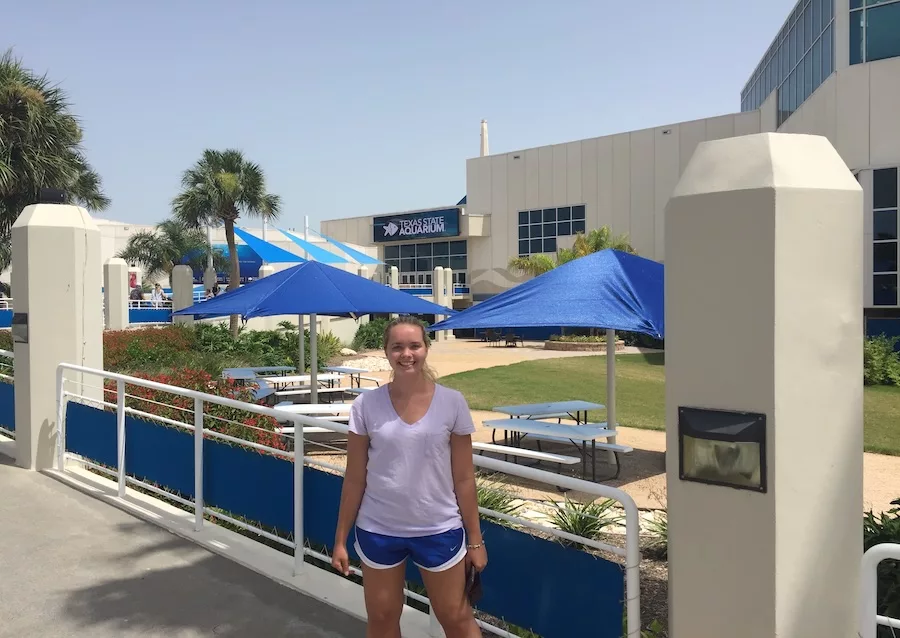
[234,422]
[134,349]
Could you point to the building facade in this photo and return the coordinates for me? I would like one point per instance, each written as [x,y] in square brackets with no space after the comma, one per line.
[832,70]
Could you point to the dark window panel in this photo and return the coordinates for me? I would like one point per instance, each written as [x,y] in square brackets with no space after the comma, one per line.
[550,245]
[458,247]
[423,250]
[523,248]
[578,212]
[884,188]
[884,257]
[440,248]
[564,213]
[564,228]
[884,290]
[883,32]
[523,217]
[536,216]
[884,224]
[549,215]
[537,230]
[537,245]
[408,250]
[578,227]
[550,229]
[523,232]
[391,252]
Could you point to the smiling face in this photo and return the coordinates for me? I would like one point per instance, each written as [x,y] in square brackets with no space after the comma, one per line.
[406,350]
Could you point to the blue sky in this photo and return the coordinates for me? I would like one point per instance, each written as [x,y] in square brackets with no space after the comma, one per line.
[357,107]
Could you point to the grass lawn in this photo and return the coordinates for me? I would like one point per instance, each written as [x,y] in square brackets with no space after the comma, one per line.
[640,392]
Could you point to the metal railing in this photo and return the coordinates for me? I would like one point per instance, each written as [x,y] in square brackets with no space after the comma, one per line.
[6,303]
[869,619]
[631,552]
[149,304]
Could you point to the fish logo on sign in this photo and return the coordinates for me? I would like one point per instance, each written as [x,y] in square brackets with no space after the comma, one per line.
[390,229]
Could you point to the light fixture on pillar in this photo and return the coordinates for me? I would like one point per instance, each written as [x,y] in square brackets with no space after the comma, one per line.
[51,196]
[722,447]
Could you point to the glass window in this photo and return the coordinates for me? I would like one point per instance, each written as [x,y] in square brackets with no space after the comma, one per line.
[578,226]
[884,224]
[423,250]
[856,4]
[827,56]
[550,229]
[440,247]
[801,86]
[578,212]
[856,37]
[884,290]
[564,213]
[392,262]
[537,230]
[537,245]
[564,228]
[808,74]
[807,29]
[549,214]
[550,245]
[423,264]
[458,262]
[408,265]
[523,232]
[816,55]
[523,247]
[883,32]
[815,7]
[536,216]
[884,256]
[884,188]
[458,248]
[523,217]
[444,261]
[391,252]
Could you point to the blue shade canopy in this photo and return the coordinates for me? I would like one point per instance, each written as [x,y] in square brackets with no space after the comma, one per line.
[269,253]
[607,289]
[313,251]
[360,258]
[313,288]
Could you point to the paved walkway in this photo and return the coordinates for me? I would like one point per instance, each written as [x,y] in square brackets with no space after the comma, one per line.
[74,566]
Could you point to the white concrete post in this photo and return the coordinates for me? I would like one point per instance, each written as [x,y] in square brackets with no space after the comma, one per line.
[115,294]
[57,277]
[764,252]
[448,299]
[363,272]
[210,279]
[437,295]
[395,283]
[182,292]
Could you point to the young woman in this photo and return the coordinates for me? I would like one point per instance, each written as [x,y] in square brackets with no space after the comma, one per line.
[410,489]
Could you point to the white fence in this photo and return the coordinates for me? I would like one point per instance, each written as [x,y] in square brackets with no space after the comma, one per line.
[195,423]
[869,619]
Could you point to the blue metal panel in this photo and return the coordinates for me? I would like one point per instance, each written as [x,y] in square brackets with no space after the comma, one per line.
[91,433]
[7,405]
[149,315]
[6,318]
[249,484]
[160,455]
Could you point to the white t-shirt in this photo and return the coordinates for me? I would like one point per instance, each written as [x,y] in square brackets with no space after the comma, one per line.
[409,481]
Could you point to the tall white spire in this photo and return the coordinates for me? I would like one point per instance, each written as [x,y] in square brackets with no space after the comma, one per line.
[484,138]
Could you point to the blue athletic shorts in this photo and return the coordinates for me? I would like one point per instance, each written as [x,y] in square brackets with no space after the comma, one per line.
[434,553]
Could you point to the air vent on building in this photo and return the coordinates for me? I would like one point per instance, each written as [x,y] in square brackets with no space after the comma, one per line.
[667,131]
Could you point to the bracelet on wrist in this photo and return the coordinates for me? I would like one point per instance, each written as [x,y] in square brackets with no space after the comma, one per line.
[476,545]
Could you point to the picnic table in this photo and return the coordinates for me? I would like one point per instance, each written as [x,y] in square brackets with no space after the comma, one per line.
[579,435]
[553,410]
[355,374]
[284,381]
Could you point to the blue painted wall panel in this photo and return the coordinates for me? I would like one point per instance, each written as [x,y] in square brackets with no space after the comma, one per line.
[6,318]
[149,315]
[91,433]
[7,405]
[147,444]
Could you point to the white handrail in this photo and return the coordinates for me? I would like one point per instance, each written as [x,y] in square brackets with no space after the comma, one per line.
[869,619]
[632,521]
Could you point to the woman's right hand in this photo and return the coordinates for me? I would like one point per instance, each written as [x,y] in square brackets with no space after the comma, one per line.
[340,559]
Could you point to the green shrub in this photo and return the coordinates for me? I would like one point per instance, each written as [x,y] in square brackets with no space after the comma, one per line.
[658,546]
[885,528]
[370,336]
[881,361]
[587,520]
[494,497]
[579,338]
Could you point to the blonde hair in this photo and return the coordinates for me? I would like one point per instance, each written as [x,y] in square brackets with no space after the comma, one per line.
[409,320]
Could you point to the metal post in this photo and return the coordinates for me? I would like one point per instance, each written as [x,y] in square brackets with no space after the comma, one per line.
[611,388]
[60,421]
[313,360]
[299,541]
[301,366]
[198,464]
[120,436]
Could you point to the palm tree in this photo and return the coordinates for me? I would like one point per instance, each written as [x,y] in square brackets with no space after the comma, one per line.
[40,146]
[171,243]
[596,240]
[216,191]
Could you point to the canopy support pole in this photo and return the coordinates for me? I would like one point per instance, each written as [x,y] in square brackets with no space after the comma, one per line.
[301,366]
[611,387]
[313,361]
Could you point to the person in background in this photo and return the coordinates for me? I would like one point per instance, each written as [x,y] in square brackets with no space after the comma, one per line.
[410,490]
[157,295]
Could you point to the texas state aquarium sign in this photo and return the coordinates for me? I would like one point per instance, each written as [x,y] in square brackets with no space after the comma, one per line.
[424,225]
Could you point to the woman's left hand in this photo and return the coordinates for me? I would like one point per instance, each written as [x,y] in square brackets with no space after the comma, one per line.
[477,558]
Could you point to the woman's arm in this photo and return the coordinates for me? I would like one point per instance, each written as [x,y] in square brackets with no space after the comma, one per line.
[466,496]
[351,497]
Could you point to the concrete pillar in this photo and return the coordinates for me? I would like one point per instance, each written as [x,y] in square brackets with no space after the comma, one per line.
[448,299]
[115,294]
[764,253]
[363,272]
[182,292]
[437,295]
[395,283]
[57,278]
[210,278]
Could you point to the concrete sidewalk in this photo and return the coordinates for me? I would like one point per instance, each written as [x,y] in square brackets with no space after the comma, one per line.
[71,565]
